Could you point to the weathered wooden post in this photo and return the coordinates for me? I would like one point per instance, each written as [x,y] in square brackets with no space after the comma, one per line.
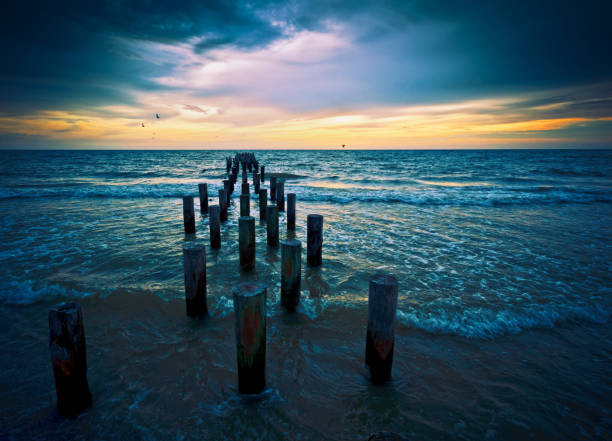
[188,215]
[250,315]
[194,265]
[246,241]
[69,358]
[314,239]
[222,206]
[245,177]
[263,203]
[263,173]
[245,188]
[214,223]
[280,195]
[272,225]
[291,211]
[228,188]
[203,191]
[291,273]
[245,205]
[273,188]
[382,305]
[256,183]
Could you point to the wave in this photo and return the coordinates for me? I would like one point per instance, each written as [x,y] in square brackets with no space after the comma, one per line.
[482,324]
[462,196]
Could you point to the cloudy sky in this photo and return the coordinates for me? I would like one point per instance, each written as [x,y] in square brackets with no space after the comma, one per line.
[298,74]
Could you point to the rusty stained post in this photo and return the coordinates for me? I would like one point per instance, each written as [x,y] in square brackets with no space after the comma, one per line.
[291,211]
[194,265]
[188,215]
[291,273]
[250,316]
[245,205]
[314,238]
[69,358]
[246,241]
[263,203]
[380,337]
[272,225]
[222,206]
[203,191]
[214,222]
[280,195]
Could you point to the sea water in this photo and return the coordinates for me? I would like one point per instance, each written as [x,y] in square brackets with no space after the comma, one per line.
[505,295]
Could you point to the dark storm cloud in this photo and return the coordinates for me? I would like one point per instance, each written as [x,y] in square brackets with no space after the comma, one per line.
[57,55]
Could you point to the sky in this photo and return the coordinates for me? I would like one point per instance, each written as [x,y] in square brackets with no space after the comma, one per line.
[306,74]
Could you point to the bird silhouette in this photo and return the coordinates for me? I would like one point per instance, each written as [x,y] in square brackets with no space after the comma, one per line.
[157,115]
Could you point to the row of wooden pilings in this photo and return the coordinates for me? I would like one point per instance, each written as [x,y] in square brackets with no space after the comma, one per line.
[67,335]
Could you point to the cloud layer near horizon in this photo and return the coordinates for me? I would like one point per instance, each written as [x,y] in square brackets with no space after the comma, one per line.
[306,74]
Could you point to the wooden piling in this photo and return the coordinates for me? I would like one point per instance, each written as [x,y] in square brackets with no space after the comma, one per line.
[273,188]
[69,358]
[246,241]
[382,305]
[250,316]
[272,225]
[203,192]
[188,215]
[214,223]
[228,187]
[222,206]
[263,203]
[245,205]
[291,273]
[314,238]
[245,176]
[194,265]
[245,188]
[291,211]
[256,183]
[280,195]
[263,173]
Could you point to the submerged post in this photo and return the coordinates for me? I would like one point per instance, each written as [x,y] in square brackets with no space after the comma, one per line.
[280,195]
[246,241]
[273,188]
[256,183]
[291,211]
[214,223]
[228,188]
[194,265]
[291,273]
[222,206]
[314,238]
[245,205]
[263,173]
[272,225]
[69,358]
[263,203]
[250,315]
[188,215]
[382,305]
[203,191]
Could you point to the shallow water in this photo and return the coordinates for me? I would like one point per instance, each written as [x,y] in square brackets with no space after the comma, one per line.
[503,313]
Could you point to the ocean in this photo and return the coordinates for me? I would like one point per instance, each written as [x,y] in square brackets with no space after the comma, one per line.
[503,260]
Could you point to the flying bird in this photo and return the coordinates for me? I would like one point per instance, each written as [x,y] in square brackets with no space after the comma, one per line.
[157,115]
[343,145]
[142,124]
